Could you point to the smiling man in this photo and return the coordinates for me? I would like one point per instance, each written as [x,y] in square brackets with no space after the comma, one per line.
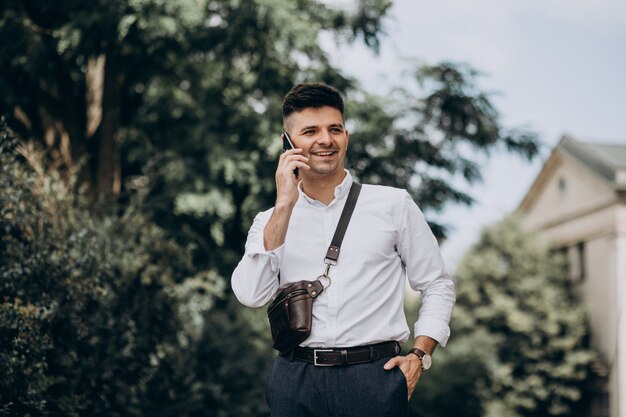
[350,363]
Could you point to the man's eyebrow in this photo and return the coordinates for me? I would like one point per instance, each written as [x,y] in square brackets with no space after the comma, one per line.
[340,125]
[308,127]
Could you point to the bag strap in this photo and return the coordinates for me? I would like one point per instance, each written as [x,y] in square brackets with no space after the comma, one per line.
[332,254]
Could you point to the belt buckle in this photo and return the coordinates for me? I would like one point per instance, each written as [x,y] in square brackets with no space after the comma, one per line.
[315,357]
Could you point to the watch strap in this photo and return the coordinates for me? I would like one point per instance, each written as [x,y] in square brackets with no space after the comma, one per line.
[420,354]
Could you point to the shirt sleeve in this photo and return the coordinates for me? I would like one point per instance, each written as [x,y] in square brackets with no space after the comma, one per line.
[419,251]
[255,280]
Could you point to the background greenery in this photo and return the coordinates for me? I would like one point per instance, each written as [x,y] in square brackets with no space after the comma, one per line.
[521,345]
[139,139]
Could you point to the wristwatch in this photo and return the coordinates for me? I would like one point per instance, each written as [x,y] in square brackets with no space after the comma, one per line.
[425,358]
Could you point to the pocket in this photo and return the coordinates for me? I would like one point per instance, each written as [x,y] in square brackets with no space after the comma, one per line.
[404,387]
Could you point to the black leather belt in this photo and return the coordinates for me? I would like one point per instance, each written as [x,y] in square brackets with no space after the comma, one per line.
[345,356]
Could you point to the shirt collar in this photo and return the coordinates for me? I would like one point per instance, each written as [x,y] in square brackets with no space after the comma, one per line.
[341,190]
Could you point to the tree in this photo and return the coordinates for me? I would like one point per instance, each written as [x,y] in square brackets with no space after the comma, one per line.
[193,93]
[423,139]
[164,104]
[103,314]
[76,74]
[511,288]
[191,108]
[172,109]
[458,382]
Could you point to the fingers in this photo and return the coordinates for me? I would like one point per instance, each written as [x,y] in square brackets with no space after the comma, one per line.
[392,363]
[410,372]
[291,159]
[292,154]
[286,180]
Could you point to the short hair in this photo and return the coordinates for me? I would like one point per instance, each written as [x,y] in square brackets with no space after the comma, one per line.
[311,95]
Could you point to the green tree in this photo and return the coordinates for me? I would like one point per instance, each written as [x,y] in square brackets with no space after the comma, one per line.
[103,314]
[514,292]
[173,107]
[192,90]
[166,100]
[77,74]
[180,95]
[457,383]
[425,137]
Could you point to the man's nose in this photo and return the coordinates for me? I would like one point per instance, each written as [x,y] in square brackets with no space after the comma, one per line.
[325,138]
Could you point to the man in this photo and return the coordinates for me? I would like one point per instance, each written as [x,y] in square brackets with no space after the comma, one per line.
[361,313]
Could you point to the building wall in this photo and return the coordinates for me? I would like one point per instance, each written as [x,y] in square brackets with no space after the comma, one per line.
[581,214]
[597,286]
[567,191]
[621,302]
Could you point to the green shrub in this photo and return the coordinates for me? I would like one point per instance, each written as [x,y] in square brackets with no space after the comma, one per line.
[103,314]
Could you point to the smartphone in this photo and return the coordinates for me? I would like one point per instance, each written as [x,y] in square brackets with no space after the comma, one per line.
[287,144]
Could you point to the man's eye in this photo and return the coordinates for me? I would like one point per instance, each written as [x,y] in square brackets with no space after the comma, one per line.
[309,132]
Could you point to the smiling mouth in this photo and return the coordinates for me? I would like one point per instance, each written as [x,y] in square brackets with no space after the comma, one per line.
[325,153]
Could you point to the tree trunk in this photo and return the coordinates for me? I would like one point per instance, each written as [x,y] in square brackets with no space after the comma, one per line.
[108,178]
[94,88]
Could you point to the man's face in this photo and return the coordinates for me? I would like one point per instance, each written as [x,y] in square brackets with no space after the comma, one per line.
[321,134]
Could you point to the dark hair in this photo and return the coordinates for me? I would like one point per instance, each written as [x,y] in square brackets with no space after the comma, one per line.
[314,95]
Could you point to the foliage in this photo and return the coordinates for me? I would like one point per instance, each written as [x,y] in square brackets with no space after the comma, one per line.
[173,100]
[103,313]
[457,383]
[81,74]
[511,288]
[424,139]
[171,110]
[198,89]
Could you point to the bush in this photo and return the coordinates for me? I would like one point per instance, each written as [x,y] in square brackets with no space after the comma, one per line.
[101,313]
[512,288]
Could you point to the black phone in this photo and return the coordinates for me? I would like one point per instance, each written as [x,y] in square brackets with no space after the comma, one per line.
[288,144]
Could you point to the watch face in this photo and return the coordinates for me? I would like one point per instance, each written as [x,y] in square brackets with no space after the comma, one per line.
[427,360]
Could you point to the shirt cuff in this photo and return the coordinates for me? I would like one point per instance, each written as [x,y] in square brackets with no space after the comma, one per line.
[433,328]
[275,256]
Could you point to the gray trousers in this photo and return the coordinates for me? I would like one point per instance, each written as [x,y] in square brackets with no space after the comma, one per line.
[300,389]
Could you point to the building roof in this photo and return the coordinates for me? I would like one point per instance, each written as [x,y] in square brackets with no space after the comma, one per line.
[606,160]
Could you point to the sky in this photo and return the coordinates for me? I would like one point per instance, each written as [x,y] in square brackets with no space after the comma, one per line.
[555,66]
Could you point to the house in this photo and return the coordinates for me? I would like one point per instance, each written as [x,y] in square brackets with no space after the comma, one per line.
[578,202]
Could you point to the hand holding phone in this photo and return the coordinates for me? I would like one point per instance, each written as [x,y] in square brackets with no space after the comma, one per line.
[287,144]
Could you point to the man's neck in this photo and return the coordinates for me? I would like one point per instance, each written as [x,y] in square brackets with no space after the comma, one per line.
[322,188]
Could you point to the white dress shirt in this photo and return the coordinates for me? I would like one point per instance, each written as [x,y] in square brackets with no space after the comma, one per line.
[387,241]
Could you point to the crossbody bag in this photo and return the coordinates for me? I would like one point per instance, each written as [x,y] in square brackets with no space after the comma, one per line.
[291,313]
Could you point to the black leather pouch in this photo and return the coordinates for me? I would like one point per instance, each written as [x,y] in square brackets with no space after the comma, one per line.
[291,313]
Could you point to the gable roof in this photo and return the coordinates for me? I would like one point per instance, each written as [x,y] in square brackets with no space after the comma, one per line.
[608,161]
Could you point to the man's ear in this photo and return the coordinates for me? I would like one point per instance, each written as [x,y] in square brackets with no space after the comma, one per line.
[347,137]
[288,123]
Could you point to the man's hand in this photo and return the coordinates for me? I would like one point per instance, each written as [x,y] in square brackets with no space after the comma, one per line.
[286,196]
[286,181]
[411,367]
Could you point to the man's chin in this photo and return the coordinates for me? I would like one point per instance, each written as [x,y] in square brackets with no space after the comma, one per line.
[323,171]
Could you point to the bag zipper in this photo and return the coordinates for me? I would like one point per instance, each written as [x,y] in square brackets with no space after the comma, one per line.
[279,302]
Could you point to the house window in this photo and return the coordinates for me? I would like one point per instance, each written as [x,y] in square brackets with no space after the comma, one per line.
[562,186]
[581,260]
[576,260]
[600,404]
